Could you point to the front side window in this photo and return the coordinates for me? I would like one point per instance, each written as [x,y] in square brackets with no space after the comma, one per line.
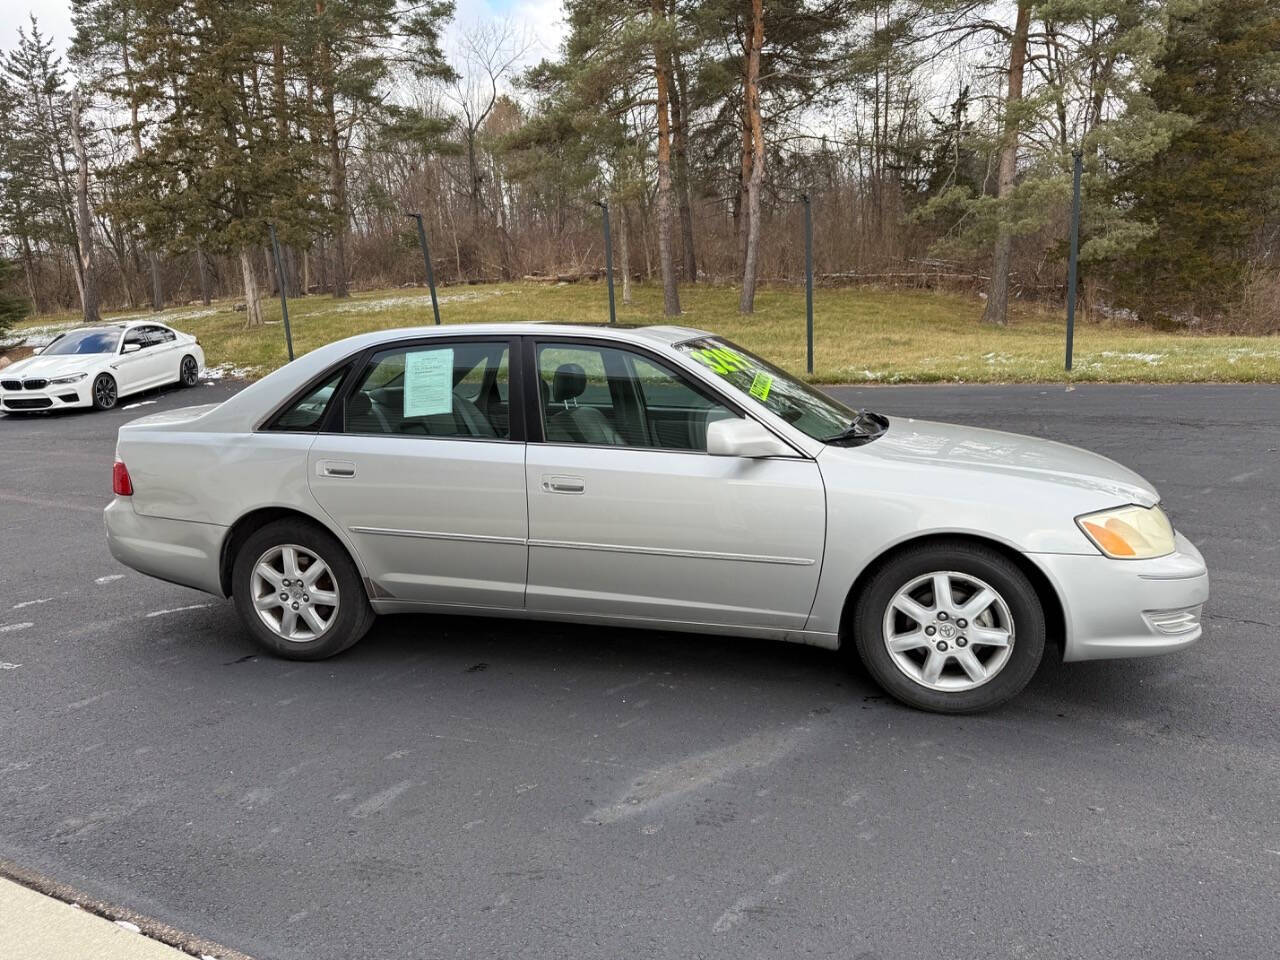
[451,390]
[799,404]
[83,341]
[605,396]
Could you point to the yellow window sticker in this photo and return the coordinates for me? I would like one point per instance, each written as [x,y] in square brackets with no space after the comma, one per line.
[720,359]
[760,386]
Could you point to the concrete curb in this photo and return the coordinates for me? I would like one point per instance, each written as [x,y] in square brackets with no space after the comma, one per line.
[41,918]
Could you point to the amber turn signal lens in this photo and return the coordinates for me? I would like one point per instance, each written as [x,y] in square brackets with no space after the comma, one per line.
[1111,542]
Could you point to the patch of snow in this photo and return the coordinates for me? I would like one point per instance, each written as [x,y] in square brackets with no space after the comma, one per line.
[5,665]
[126,925]
[417,300]
[40,336]
[110,578]
[140,403]
[1153,359]
[30,603]
[14,627]
[227,370]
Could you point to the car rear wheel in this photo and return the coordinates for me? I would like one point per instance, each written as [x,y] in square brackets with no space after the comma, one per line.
[298,593]
[104,392]
[189,372]
[953,628]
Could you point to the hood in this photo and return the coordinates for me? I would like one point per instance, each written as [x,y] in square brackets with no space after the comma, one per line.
[170,418]
[944,446]
[39,366]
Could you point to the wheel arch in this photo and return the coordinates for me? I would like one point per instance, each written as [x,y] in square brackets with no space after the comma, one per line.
[1050,601]
[255,519]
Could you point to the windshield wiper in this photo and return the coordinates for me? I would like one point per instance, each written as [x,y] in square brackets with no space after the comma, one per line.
[866,426]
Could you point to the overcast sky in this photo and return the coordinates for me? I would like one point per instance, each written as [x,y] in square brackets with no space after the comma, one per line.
[541,20]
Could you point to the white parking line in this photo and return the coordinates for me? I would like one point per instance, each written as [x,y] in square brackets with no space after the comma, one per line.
[14,627]
[194,606]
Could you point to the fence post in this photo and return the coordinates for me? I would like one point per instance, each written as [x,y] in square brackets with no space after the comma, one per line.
[1075,253]
[608,258]
[426,258]
[808,281]
[280,285]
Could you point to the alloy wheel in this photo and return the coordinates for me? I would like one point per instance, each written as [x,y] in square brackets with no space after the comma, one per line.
[294,593]
[190,371]
[104,392]
[948,631]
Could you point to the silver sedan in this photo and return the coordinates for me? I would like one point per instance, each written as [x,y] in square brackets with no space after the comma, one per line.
[658,477]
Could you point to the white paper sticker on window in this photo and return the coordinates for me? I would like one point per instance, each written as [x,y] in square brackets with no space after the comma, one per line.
[428,382]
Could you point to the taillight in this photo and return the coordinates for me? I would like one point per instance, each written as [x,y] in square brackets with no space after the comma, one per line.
[121,485]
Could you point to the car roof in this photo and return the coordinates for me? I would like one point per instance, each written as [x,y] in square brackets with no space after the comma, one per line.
[663,335]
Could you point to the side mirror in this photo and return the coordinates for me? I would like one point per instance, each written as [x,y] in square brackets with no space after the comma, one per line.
[744,438]
[131,348]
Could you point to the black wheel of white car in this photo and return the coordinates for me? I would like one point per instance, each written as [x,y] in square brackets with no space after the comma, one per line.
[189,373]
[104,392]
[298,592]
[953,628]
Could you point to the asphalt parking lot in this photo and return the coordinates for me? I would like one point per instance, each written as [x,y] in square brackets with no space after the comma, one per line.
[477,788]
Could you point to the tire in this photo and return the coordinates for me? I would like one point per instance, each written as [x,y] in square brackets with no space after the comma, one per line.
[343,622]
[105,393]
[188,371]
[936,647]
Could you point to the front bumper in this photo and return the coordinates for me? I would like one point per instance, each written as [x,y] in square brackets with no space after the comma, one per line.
[179,551]
[56,396]
[1129,608]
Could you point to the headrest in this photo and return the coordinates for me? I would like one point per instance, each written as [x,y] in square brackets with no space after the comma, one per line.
[569,383]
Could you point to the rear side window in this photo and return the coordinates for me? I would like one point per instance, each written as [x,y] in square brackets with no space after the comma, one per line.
[306,414]
[456,389]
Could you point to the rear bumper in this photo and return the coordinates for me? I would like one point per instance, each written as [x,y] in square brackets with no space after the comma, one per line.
[179,551]
[1129,608]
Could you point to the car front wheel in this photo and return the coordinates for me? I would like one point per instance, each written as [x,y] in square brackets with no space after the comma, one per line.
[298,593]
[952,628]
[104,392]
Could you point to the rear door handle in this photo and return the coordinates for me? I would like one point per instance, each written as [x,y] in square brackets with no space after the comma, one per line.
[340,469]
[564,484]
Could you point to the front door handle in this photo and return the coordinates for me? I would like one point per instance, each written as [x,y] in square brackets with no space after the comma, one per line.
[564,484]
[340,469]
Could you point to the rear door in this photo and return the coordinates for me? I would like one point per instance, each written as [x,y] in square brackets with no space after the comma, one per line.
[630,518]
[426,473]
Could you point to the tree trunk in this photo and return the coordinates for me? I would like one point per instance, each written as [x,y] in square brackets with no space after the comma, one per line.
[747,303]
[997,308]
[204,277]
[670,293]
[253,306]
[624,250]
[680,127]
[29,271]
[84,221]
[337,168]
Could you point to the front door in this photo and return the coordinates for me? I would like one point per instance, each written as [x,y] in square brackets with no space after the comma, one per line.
[425,476]
[630,518]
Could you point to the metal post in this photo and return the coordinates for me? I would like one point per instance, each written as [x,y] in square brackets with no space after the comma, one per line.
[1075,253]
[426,258]
[808,280]
[608,258]
[280,284]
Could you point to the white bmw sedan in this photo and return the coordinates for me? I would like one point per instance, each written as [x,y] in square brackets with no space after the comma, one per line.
[96,366]
[658,477]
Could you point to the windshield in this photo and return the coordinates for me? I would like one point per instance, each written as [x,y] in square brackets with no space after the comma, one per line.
[83,341]
[799,404]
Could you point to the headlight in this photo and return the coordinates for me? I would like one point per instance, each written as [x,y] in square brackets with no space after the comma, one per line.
[1129,533]
[69,378]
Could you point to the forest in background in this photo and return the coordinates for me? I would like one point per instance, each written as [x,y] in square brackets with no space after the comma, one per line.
[142,160]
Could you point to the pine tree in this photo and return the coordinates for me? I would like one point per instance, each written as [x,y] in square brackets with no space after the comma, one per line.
[1205,197]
